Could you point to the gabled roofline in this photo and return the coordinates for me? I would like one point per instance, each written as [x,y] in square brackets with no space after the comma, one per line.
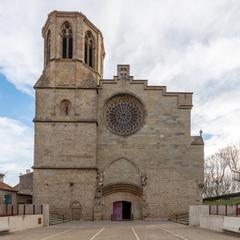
[181,103]
[139,81]
[7,187]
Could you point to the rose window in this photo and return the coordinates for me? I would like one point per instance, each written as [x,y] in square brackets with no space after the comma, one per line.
[124,114]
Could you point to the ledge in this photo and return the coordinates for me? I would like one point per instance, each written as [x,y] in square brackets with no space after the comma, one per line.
[65,121]
[64,168]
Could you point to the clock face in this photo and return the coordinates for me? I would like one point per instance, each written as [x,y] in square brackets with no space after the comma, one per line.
[124,114]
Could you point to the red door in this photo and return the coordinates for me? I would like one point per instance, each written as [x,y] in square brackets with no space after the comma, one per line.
[117,211]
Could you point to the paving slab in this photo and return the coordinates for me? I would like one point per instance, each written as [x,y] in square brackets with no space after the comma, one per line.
[107,230]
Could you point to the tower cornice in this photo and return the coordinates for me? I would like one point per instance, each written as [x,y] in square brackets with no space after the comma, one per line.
[70,14]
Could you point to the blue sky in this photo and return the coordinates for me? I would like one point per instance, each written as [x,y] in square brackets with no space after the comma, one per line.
[15,104]
[187,45]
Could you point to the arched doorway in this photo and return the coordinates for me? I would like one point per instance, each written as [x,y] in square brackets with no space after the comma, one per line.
[122,202]
[122,210]
[76,210]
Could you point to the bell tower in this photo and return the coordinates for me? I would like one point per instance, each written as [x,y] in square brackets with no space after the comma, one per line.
[66,115]
[73,49]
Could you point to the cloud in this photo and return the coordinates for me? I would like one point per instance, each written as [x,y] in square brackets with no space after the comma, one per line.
[219,117]
[187,45]
[16,147]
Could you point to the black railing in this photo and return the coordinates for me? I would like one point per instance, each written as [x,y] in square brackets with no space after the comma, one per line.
[21,209]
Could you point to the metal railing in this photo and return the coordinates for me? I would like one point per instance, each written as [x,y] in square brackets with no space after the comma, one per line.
[226,210]
[179,218]
[21,209]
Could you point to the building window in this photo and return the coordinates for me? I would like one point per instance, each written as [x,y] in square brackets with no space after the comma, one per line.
[8,199]
[124,114]
[89,48]
[48,52]
[67,40]
[65,107]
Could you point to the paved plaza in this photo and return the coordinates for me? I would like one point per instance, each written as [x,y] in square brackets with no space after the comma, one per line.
[137,230]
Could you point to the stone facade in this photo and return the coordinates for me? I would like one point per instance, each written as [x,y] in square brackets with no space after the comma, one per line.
[25,188]
[8,195]
[100,141]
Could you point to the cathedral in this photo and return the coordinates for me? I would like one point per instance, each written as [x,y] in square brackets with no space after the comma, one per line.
[109,149]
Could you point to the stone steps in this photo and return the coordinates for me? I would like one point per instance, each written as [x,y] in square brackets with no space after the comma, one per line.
[181,218]
[58,219]
[4,231]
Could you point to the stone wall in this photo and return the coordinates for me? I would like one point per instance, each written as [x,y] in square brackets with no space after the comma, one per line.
[161,149]
[76,155]
[65,145]
[83,104]
[19,223]
[13,194]
[61,189]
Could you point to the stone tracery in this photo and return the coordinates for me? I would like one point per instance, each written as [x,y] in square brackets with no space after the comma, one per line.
[124,114]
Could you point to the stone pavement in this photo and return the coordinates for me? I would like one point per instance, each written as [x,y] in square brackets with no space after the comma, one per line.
[137,230]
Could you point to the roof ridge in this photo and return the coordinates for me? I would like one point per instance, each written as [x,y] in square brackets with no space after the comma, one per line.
[5,186]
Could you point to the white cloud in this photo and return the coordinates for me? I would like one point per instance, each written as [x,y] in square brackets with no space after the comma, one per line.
[16,148]
[187,45]
[219,117]
[199,65]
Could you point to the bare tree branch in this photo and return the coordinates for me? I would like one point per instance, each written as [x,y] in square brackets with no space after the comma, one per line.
[222,169]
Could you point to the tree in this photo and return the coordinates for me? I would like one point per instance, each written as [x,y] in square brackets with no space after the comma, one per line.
[232,156]
[220,172]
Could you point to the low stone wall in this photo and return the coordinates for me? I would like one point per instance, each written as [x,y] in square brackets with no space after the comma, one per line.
[23,216]
[21,222]
[213,222]
[220,223]
[199,216]
[232,224]
[195,212]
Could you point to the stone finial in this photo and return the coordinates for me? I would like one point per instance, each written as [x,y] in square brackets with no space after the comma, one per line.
[201,132]
[123,70]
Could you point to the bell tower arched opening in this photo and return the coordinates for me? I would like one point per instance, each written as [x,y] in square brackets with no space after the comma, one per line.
[67,41]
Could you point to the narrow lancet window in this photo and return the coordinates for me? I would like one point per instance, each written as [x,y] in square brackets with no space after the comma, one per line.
[89,48]
[65,107]
[48,45]
[67,40]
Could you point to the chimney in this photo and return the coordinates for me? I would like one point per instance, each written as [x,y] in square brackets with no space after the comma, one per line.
[28,171]
[2,177]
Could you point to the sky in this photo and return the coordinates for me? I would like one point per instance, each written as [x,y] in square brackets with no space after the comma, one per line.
[187,45]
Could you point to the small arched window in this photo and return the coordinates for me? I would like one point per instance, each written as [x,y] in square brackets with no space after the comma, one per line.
[89,48]
[65,107]
[48,46]
[67,40]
